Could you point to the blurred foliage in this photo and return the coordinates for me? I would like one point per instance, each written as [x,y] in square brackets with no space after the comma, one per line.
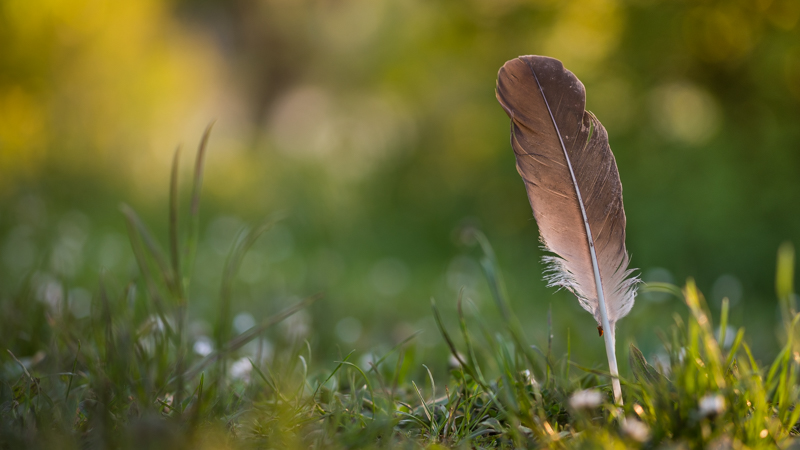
[373,125]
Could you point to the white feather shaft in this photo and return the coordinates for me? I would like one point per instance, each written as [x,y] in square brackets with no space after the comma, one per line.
[609,330]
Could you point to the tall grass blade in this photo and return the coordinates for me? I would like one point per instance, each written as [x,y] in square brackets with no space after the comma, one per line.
[784,281]
[194,206]
[136,226]
[173,227]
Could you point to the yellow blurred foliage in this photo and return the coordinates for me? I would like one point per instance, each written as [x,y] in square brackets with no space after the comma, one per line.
[21,128]
[585,33]
[92,84]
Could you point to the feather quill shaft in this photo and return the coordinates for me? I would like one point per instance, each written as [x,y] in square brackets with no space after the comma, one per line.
[609,337]
[573,186]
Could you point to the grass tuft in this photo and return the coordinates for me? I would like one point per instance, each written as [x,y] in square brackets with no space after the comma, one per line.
[124,378]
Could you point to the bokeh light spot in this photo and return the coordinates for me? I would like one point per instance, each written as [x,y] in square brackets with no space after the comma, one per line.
[685,112]
[348,330]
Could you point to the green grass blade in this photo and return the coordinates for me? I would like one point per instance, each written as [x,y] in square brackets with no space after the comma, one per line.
[737,341]
[723,321]
[368,383]
[194,206]
[428,413]
[471,370]
[72,373]
[173,227]
[151,244]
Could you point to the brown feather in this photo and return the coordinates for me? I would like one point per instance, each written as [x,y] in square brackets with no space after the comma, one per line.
[573,185]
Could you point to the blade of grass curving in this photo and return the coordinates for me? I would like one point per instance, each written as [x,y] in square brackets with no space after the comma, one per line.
[508,375]
[471,396]
[242,339]
[238,251]
[196,411]
[194,208]
[496,350]
[308,348]
[34,381]
[432,427]
[377,363]
[642,370]
[383,386]
[479,417]
[783,395]
[471,370]
[697,307]
[735,347]
[339,366]
[239,341]
[368,383]
[433,384]
[277,384]
[141,258]
[781,363]
[72,374]
[414,418]
[301,386]
[789,411]
[666,288]
[150,283]
[451,416]
[397,374]
[602,373]
[793,418]
[151,244]
[473,360]
[550,366]
[261,375]
[753,364]
[185,404]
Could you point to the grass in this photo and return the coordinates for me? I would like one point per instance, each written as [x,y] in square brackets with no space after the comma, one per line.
[124,377]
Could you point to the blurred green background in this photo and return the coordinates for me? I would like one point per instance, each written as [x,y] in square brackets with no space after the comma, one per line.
[373,125]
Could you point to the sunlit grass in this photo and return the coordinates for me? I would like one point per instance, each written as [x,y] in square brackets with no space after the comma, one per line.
[124,377]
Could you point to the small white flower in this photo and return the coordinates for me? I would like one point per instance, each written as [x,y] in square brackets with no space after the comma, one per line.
[203,346]
[366,361]
[712,404]
[262,345]
[638,431]
[243,322]
[453,362]
[241,369]
[586,399]
[297,326]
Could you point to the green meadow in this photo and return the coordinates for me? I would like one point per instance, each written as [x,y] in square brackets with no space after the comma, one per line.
[271,224]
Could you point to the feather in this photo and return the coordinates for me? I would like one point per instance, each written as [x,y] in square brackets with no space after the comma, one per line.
[573,186]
